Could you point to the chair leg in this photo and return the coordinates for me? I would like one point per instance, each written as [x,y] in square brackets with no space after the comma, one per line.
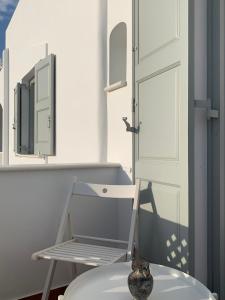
[74,271]
[48,281]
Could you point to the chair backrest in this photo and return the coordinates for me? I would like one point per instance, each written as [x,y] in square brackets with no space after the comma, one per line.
[104,191]
[108,191]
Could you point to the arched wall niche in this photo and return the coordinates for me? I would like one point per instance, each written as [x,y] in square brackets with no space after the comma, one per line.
[118,54]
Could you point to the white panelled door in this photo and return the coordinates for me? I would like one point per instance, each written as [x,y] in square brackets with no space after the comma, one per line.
[161,145]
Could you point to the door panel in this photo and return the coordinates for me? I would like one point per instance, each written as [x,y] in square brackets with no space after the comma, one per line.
[155,105]
[164,18]
[161,146]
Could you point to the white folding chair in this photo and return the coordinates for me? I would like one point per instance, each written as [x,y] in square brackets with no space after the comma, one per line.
[92,254]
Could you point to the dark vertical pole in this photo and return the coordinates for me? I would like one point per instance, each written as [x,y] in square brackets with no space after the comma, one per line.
[215,146]
[222,149]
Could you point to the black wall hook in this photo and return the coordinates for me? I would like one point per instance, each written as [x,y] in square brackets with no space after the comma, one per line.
[129,128]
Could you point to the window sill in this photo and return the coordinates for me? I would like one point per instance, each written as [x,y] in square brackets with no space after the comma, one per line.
[115,86]
[58,167]
[28,155]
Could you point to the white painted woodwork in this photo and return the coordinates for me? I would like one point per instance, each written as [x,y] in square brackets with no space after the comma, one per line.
[158,112]
[115,86]
[161,23]
[44,107]
[161,92]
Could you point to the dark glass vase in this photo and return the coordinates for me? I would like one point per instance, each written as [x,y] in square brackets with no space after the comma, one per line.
[140,281]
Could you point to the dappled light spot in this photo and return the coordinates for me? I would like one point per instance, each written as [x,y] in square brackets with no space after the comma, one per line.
[174,238]
[173,254]
[165,277]
[79,258]
[119,289]
[179,249]
[175,288]
[118,277]
[184,243]
[178,265]
[175,275]
[183,261]
[168,244]
[95,258]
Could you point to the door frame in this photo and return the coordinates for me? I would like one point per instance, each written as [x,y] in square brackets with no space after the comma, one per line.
[216,148]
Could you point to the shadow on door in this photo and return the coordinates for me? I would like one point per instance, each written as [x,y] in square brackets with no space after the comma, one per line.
[161,241]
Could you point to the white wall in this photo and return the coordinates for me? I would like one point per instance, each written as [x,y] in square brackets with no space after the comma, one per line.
[31,202]
[119,101]
[1,87]
[76,34]
[119,105]
[1,103]
[1,123]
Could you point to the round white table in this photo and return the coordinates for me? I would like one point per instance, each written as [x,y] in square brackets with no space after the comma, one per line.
[110,283]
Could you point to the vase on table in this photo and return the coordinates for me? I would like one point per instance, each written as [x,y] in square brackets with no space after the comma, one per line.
[140,280]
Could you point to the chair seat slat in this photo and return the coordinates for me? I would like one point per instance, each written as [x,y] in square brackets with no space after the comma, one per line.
[82,253]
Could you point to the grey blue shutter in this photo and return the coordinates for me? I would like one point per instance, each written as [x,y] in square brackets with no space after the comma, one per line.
[24,119]
[16,124]
[44,107]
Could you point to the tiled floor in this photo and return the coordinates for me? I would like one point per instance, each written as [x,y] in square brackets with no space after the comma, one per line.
[53,296]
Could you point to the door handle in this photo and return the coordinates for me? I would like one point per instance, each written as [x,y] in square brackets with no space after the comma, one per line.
[129,128]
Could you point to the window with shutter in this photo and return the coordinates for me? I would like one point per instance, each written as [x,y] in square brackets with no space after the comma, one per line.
[34,122]
[44,107]
[16,124]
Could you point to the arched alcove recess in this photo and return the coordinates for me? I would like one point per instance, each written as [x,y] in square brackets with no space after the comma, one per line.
[118,54]
[1,124]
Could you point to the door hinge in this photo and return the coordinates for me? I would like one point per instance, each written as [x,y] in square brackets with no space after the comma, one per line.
[133,105]
[134,48]
[207,104]
[49,122]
